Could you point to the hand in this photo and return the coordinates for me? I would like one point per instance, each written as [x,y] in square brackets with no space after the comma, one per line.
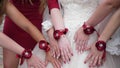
[54,45]
[81,40]
[35,62]
[95,57]
[54,48]
[55,62]
[65,48]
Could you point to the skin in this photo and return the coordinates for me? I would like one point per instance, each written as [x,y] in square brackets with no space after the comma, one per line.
[27,26]
[95,56]
[63,42]
[105,8]
[33,61]
[108,31]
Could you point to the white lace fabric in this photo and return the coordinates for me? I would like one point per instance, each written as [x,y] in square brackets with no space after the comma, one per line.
[75,13]
[113,45]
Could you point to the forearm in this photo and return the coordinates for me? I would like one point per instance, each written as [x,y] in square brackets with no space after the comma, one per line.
[111,27]
[57,19]
[102,11]
[50,33]
[8,43]
[23,22]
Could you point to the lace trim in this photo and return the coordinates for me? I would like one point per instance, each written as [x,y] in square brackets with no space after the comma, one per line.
[113,46]
[46,25]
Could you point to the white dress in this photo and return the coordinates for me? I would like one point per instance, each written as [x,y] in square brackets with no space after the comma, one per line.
[75,13]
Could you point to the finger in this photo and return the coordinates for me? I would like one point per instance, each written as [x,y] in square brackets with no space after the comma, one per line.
[53,53]
[75,36]
[85,45]
[39,66]
[104,56]
[88,58]
[42,64]
[58,53]
[85,42]
[91,61]
[100,61]
[80,47]
[29,66]
[69,54]
[54,65]
[60,60]
[88,48]
[65,56]
[70,51]
[62,55]
[77,47]
[58,65]
[95,61]
[46,62]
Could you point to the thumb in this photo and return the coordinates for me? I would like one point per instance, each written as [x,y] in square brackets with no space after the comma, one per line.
[46,62]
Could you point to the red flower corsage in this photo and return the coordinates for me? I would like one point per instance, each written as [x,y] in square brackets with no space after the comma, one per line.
[44,45]
[100,45]
[26,54]
[58,33]
[88,29]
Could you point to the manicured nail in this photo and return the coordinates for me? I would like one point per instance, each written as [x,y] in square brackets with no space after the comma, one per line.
[69,59]
[72,54]
[64,62]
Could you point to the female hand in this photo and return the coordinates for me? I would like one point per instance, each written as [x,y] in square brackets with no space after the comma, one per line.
[55,62]
[54,48]
[54,45]
[35,62]
[65,48]
[81,40]
[95,57]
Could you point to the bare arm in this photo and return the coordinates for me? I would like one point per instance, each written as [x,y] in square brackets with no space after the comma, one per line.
[57,19]
[102,11]
[111,27]
[23,22]
[8,43]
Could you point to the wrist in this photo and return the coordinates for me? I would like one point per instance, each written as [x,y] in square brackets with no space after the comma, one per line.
[59,33]
[44,45]
[50,34]
[100,45]
[87,29]
[26,54]
[103,39]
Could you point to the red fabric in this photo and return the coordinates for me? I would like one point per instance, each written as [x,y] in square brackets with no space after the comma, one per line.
[31,12]
[52,4]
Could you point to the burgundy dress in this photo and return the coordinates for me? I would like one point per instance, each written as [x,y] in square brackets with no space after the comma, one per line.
[31,12]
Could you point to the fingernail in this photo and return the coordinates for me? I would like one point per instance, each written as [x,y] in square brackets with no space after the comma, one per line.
[64,62]
[69,59]
[72,54]
[85,62]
